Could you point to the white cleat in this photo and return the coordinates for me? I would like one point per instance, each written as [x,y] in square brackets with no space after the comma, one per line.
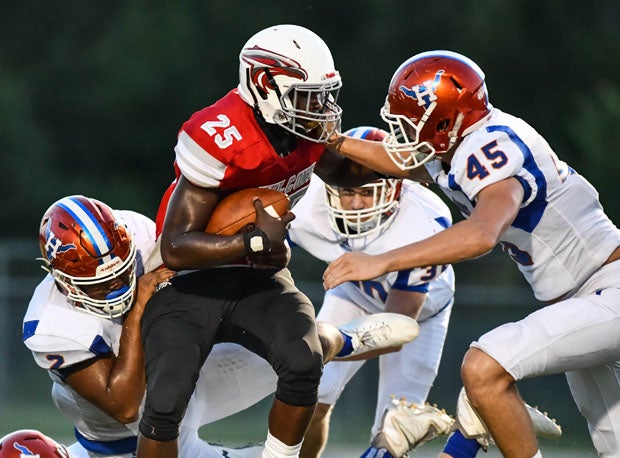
[471,425]
[380,330]
[405,426]
[469,422]
[543,425]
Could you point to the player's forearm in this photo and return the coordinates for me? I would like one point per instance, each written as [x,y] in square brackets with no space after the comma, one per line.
[465,240]
[127,380]
[196,250]
[407,303]
[371,154]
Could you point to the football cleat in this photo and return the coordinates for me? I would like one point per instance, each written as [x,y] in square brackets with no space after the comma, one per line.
[472,426]
[380,330]
[543,425]
[406,426]
[469,422]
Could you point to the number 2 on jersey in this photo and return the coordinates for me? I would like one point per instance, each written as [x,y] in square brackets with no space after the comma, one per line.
[475,169]
[226,138]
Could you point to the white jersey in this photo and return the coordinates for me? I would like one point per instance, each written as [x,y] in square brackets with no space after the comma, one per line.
[421,214]
[561,235]
[59,335]
[410,372]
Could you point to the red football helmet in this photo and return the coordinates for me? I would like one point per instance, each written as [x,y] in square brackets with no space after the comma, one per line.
[31,443]
[385,193]
[434,99]
[90,254]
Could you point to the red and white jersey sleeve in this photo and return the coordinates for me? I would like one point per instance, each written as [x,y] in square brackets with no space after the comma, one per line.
[222,146]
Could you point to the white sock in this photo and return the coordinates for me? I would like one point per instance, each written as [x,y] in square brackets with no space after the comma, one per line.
[275,448]
[538,455]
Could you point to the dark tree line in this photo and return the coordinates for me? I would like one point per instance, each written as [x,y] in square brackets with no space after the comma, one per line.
[92,93]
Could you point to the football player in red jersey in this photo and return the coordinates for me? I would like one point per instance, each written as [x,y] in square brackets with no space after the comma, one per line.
[270,131]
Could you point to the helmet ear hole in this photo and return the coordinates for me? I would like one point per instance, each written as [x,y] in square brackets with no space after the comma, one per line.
[443,125]
[262,94]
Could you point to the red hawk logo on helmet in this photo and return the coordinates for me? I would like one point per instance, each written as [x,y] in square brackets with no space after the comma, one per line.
[265,65]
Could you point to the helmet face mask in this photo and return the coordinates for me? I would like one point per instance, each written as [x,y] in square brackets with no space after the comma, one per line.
[403,144]
[310,112]
[377,204]
[90,255]
[95,295]
[287,73]
[433,100]
[383,197]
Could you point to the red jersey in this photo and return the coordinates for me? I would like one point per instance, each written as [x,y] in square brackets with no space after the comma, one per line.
[222,146]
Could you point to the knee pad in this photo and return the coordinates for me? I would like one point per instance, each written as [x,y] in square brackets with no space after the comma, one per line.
[299,374]
[163,412]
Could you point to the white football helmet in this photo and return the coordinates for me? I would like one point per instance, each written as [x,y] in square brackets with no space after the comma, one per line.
[90,254]
[287,72]
[385,193]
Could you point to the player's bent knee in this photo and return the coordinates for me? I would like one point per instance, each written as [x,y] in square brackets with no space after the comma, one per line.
[480,372]
[164,408]
[163,412]
[299,373]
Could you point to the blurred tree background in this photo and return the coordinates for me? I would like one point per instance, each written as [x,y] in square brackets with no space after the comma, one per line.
[92,95]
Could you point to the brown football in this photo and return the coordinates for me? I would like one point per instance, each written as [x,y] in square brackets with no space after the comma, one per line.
[235,213]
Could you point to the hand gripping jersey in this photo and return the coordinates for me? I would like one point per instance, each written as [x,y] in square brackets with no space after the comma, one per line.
[561,234]
[59,335]
[420,214]
[223,146]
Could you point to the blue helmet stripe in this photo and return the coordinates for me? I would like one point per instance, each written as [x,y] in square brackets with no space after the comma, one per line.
[87,221]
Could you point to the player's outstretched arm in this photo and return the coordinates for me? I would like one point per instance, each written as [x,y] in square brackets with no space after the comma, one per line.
[372,154]
[496,208]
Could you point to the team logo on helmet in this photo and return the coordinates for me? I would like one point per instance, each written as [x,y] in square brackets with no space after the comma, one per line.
[53,245]
[260,60]
[23,450]
[423,93]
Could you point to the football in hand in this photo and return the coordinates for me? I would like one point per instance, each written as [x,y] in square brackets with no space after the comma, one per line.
[235,213]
